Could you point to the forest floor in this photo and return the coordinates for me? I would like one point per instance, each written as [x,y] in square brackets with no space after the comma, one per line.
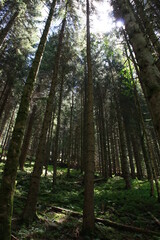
[132,207]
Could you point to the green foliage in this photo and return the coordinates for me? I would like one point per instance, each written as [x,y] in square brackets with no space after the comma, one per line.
[65,194]
[128,207]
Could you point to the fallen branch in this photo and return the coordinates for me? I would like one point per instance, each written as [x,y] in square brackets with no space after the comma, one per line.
[13,237]
[128,228]
[66,211]
[154,218]
[105,221]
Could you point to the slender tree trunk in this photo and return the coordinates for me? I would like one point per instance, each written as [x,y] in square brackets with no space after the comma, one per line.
[109,151]
[6,95]
[4,31]
[49,141]
[122,138]
[57,134]
[107,167]
[27,138]
[82,126]
[156,147]
[124,161]
[85,116]
[10,170]
[4,90]
[130,154]
[113,153]
[101,152]
[137,157]
[6,116]
[70,140]
[7,135]
[30,208]
[88,208]
[148,167]
[117,151]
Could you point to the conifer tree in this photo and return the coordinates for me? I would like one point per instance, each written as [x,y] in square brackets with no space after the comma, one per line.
[10,170]
[149,73]
[88,209]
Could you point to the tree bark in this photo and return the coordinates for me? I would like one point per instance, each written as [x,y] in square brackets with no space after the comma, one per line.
[124,161]
[70,140]
[10,170]
[148,26]
[105,156]
[149,73]
[130,154]
[4,31]
[26,140]
[88,208]
[57,134]
[6,94]
[30,208]
[137,156]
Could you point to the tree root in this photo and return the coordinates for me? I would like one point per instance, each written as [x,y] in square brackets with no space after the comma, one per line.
[105,222]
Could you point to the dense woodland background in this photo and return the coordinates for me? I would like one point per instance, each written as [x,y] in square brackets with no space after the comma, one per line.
[79,120]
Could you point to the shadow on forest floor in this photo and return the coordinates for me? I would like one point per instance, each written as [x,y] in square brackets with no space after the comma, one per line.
[112,201]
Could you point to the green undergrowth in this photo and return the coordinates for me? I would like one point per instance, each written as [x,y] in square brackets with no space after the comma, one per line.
[112,201]
[126,206]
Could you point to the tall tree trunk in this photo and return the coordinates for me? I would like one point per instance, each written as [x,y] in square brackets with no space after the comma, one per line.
[148,26]
[27,138]
[124,160]
[113,153]
[49,140]
[82,127]
[7,135]
[5,117]
[137,156]
[70,140]
[10,170]
[130,154]
[4,89]
[57,134]
[122,137]
[141,120]
[88,208]
[108,152]
[4,31]
[107,168]
[6,94]
[85,116]
[30,208]
[117,151]
[101,152]
[149,73]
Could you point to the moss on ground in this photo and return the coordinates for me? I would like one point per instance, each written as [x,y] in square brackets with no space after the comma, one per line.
[112,202]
